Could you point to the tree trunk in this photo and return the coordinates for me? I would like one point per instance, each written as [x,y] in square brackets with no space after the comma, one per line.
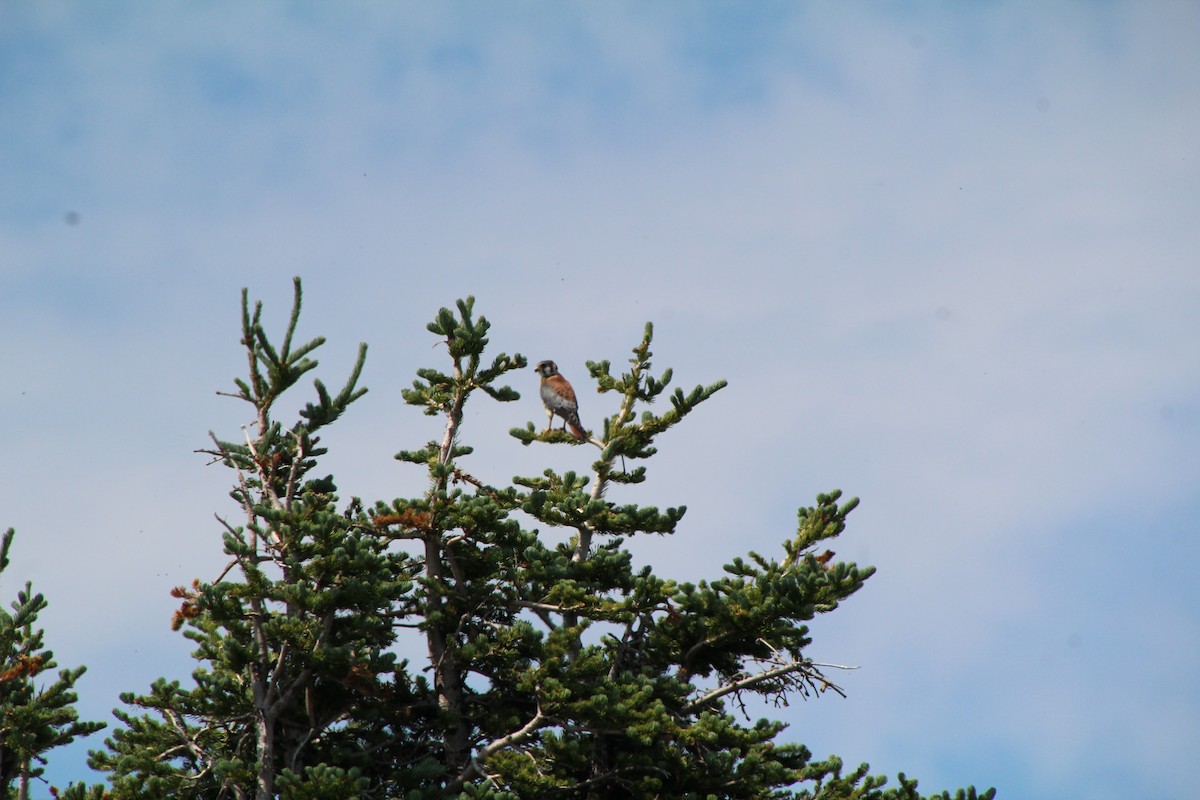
[447,680]
[264,719]
[266,758]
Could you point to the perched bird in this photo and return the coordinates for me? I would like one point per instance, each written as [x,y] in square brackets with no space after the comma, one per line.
[559,398]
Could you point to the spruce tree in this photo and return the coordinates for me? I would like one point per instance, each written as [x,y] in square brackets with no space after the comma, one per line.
[33,719]
[296,680]
[552,665]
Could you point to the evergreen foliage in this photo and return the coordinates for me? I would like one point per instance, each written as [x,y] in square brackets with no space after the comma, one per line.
[33,720]
[547,669]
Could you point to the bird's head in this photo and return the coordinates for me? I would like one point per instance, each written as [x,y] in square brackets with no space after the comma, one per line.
[546,368]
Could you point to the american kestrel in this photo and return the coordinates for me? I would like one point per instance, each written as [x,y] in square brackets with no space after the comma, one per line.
[559,398]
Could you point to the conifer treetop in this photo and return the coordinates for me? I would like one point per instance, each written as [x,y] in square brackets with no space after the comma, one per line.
[536,665]
[36,715]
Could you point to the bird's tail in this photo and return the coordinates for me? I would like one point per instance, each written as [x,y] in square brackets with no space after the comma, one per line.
[576,428]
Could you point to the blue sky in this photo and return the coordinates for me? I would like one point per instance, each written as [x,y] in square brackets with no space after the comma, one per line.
[945,254]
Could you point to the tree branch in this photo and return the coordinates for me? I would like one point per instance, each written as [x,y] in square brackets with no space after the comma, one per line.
[808,674]
[475,766]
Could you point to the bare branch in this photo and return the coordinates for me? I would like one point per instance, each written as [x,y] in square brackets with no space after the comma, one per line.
[188,743]
[475,766]
[228,566]
[544,607]
[806,672]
